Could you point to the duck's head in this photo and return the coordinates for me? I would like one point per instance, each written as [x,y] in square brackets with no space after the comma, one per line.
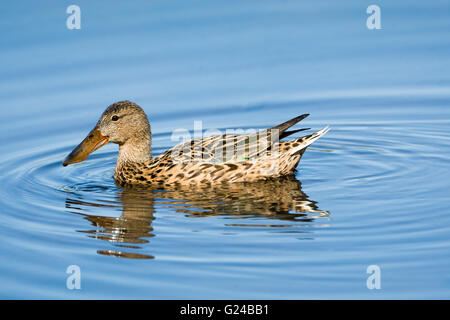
[124,123]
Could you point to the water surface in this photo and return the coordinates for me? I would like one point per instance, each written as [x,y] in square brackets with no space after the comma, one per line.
[372,191]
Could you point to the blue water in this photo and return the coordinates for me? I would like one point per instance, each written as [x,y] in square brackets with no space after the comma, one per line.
[372,191]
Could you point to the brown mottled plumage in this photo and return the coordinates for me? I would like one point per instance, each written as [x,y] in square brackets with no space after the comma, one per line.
[209,160]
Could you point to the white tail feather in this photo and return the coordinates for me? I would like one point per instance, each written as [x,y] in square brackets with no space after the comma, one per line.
[310,140]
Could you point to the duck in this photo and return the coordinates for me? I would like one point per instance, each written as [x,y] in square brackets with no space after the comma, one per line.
[223,158]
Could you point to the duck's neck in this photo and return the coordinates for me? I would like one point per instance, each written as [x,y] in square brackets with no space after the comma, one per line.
[134,151]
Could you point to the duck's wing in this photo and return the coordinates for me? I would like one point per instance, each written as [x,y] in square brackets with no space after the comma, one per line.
[286,125]
[234,147]
[254,145]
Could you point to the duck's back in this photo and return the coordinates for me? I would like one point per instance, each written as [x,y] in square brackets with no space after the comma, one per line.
[223,158]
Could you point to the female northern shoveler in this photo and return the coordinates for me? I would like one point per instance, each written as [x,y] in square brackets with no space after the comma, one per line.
[214,159]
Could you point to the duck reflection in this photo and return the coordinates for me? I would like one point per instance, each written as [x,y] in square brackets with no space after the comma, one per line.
[281,200]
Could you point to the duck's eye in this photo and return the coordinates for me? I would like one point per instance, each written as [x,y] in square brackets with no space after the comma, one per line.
[115,118]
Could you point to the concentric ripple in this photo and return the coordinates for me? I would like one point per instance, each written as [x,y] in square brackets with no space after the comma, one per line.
[361,161]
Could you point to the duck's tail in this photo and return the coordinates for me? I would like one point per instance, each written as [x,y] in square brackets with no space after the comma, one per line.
[302,143]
